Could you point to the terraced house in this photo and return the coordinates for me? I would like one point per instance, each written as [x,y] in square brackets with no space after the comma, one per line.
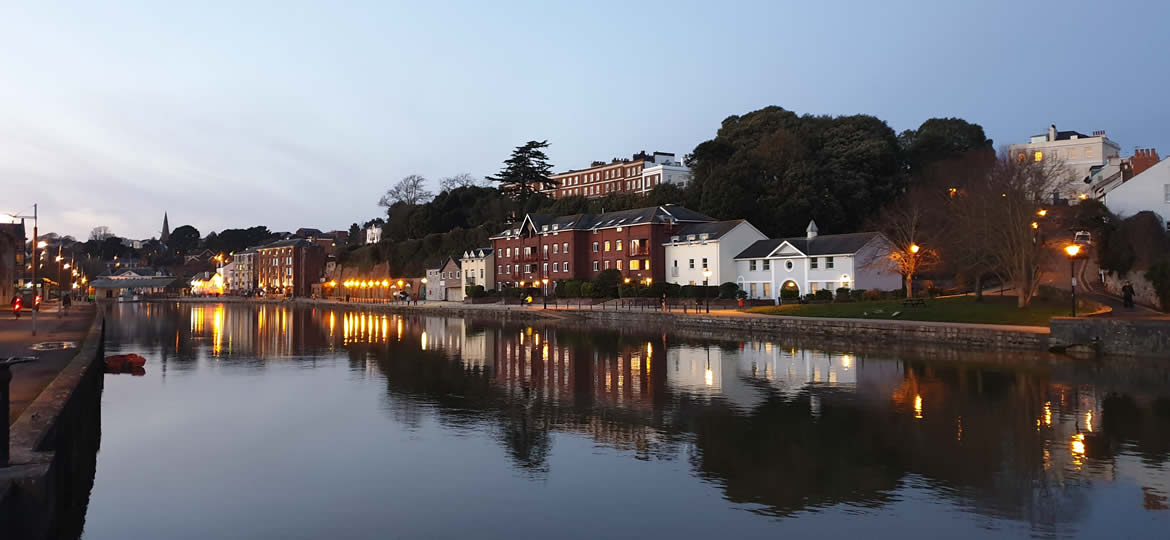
[581,246]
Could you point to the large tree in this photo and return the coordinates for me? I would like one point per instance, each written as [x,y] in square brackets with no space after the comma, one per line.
[914,225]
[940,139]
[410,190]
[461,180]
[101,232]
[526,172]
[779,170]
[184,239]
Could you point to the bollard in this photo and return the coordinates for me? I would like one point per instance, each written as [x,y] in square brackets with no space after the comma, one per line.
[5,378]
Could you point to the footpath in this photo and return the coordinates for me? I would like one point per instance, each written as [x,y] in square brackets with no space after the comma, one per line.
[16,339]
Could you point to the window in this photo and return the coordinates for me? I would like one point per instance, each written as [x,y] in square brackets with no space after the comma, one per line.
[1038,156]
[545,268]
[645,264]
[528,268]
[565,247]
[619,242]
[1166,189]
[607,265]
[596,266]
[828,262]
[556,249]
[767,264]
[752,290]
[767,290]
[752,265]
[565,267]
[704,263]
[607,245]
[509,268]
[788,265]
[499,269]
[619,264]
[556,267]
[595,246]
[691,264]
[634,265]
[813,263]
[676,263]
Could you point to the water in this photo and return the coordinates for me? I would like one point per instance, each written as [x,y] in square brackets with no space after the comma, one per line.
[270,422]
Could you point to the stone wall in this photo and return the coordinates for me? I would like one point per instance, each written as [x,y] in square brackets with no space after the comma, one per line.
[1134,337]
[1143,290]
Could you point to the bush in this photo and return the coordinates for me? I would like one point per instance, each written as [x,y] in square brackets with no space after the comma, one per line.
[589,290]
[857,294]
[872,294]
[606,284]
[933,291]
[475,291]
[823,294]
[741,294]
[844,294]
[568,288]
[627,290]
[810,297]
[728,290]
[789,294]
[1159,277]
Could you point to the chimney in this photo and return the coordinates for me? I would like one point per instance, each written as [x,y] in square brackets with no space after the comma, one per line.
[1052,133]
[811,231]
[1099,133]
[1144,158]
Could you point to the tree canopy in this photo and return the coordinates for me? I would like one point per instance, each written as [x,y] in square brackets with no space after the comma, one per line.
[184,239]
[526,172]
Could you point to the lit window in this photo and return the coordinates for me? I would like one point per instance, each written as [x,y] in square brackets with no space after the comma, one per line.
[645,264]
[634,265]
[619,265]
[1038,156]
[607,245]
[619,243]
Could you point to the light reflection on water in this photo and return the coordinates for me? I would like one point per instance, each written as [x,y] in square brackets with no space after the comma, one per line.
[331,423]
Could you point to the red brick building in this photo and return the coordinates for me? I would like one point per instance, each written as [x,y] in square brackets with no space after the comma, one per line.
[289,267]
[640,174]
[581,246]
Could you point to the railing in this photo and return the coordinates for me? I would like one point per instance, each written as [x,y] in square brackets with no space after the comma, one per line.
[639,251]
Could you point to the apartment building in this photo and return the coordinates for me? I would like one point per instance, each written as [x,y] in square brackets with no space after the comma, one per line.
[1077,153]
[289,267]
[639,174]
[479,268]
[581,246]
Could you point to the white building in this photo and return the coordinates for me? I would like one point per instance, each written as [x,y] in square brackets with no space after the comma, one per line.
[434,285]
[241,272]
[451,280]
[1149,190]
[1078,153]
[708,246]
[374,234]
[479,267]
[814,262]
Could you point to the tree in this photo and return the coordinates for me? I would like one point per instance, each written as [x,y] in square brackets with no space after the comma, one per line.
[1012,195]
[526,172]
[410,190]
[966,240]
[911,223]
[940,139]
[355,237]
[184,239]
[100,233]
[606,284]
[461,180]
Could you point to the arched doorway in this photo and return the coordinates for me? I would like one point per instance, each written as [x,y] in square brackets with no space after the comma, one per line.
[789,290]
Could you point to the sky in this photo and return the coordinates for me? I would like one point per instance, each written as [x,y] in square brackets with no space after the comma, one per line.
[301,114]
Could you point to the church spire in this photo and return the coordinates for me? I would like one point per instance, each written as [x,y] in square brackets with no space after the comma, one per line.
[166,231]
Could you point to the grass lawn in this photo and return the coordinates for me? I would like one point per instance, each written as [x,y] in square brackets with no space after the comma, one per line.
[992,310]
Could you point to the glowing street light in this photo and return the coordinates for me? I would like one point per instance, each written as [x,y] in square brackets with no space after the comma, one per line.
[914,248]
[706,279]
[1072,250]
[1042,212]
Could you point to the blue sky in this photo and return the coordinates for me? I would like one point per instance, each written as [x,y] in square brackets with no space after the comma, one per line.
[301,114]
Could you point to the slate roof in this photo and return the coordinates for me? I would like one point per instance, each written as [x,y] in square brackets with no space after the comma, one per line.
[291,242]
[829,244]
[713,230]
[133,283]
[622,218]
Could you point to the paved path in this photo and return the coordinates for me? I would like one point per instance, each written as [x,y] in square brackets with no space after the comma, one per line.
[16,337]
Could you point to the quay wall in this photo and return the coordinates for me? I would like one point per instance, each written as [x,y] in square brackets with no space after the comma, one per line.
[1129,337]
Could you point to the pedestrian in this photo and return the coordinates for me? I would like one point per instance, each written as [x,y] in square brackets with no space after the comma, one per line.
[1127,294]
[16,302]
[66,301]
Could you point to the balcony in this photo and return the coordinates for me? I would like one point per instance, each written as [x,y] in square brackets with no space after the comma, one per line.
[642,251]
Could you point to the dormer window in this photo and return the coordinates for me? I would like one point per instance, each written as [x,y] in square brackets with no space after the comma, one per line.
[690,238]
[704,236]
[674,238]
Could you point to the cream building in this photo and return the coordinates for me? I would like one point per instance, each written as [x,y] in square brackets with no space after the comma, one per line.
[479,266]
[1078,153]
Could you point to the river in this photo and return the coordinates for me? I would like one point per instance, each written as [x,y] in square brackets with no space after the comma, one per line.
[267,421]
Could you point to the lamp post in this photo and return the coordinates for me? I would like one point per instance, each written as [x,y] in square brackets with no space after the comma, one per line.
[627,282]
[522,282]
[544,282]
[423,293]
[706,277]
[1072,250]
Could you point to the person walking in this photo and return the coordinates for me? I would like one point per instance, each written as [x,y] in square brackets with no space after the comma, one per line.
[1127,294]
[66,301]
[16,302]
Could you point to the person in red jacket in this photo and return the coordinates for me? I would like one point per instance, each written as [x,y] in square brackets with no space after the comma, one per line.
[16,302]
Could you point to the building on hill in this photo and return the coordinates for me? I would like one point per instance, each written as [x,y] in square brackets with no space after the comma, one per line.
[1077,153]
[374,233]
[1149,190]
[581,246]
[814,262]
[699,248]
[639,174]
[289,267]
[479,268]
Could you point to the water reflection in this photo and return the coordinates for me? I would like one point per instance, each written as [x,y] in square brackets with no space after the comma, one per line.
[781,430]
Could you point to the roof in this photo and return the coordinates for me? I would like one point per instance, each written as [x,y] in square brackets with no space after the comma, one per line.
[637,216]
[290,242]
[135,283]
[713,230]
[477,253]
[829,244]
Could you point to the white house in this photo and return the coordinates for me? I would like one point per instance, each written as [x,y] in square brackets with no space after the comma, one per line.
[479,267]
[814,262]
[708,246]
[434,284]
[374,234]
[1149,190]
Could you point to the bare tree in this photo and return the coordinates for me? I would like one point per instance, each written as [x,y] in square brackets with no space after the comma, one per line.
[461,180]
[100,233]
[912,224]
[1009,199]
[410,190]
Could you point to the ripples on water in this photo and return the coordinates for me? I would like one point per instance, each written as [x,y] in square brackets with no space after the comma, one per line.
[271,422]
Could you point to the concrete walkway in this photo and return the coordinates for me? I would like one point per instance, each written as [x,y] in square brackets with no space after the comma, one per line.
[28,380]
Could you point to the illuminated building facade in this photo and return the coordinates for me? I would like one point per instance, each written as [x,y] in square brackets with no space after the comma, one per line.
[289,267]
[640,174]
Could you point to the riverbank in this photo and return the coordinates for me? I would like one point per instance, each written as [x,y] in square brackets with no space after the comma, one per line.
[16,339]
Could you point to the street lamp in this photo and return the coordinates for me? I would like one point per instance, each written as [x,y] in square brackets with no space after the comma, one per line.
[914,248]
[544,282]
[423,293]
[706,277]
[1072,250]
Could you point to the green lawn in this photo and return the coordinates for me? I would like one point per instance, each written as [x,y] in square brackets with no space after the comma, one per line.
[992,310]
